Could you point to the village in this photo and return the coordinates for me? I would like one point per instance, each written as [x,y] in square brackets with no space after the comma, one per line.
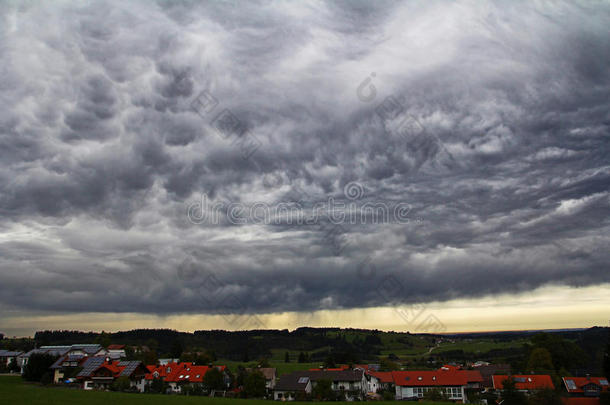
[95,367]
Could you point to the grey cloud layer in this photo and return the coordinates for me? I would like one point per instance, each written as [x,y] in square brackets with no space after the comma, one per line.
[101,153]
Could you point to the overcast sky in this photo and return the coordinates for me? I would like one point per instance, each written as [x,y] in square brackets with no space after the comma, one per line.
[487,122]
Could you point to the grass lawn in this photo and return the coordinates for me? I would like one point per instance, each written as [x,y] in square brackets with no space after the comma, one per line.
[14,391]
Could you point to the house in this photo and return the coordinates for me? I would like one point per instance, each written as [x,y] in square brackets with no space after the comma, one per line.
[100,373]
[292,386]
[380,381]
[525,383]
[585,386]
[66,366]
[488,370]
[412,385]
[160,372]
[86,350]
[116,351]
[51,350]
[351,384]
[6,356]
[164,362]
[269,373]
[178,375]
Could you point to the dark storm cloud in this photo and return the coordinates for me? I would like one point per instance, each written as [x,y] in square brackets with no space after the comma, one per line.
[101,152]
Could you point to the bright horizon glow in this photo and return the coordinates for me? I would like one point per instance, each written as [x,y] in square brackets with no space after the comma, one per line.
[554,307]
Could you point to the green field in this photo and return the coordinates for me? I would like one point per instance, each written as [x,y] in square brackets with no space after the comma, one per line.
[14,391]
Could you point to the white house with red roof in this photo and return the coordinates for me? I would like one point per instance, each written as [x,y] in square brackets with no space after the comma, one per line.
[585,386]
[412,385]
[178,375]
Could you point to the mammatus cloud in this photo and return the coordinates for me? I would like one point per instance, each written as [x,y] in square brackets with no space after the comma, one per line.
[506,170]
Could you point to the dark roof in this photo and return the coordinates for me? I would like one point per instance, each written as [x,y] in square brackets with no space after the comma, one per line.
[51,350]
[71,357]
[130,367]
[488,370]
[90,365]
[8,353]
[290,382]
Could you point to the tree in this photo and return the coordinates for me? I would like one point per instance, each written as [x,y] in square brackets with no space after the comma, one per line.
[103,339]
[254,385]
[604,398]
[38,365]
[540,361]
[302,358]
[329,362]
[176,350]
[324,391]
[510,395]
[286,357]
[214,380]
[150,357]
[157,386]
[121,384]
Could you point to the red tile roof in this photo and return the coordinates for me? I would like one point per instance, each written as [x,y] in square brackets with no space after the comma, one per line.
[179,372]
[580,382]
[164,370]
[116,347]
[580,401]
[383,376]
[530,382]
[474,376]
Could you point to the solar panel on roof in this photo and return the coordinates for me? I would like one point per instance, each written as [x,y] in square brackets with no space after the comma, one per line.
[571,385]
[91,364]
[603,382]
[130,368]
[303,380]
[520,379]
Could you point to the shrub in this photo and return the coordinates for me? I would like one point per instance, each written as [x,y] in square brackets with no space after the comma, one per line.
[47,378]
[38,365]
[121,384]
[254,385]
